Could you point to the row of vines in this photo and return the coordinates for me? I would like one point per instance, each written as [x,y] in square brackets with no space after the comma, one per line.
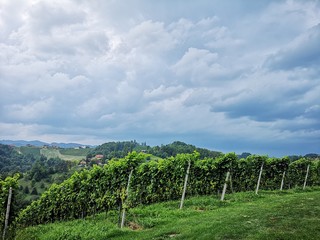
[5,185]
[104,188]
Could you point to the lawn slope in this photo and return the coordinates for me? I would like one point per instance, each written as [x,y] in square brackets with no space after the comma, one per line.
[293,214]
[78,154]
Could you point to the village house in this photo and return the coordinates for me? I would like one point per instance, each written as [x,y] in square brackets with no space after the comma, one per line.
[99,156]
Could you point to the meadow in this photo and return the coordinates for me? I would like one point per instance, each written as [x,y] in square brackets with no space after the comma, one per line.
[68,154]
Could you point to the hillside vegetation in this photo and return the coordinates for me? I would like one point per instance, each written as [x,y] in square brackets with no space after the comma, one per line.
[12,161]
[36,172]
[104,188]
[79,189]
[291,215]
[112,150]
[67,155]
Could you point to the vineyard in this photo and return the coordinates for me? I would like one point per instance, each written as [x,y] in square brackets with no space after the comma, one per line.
[243,215]
[6,187]
[105,188]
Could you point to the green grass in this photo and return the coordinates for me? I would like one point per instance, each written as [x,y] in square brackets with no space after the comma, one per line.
[53,153]
[35,151]
[68,154]
[82,152]
[290,215]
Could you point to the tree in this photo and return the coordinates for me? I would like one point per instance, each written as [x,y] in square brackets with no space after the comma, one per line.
[26,190]
[34,191]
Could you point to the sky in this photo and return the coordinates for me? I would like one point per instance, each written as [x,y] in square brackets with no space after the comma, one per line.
[232,76]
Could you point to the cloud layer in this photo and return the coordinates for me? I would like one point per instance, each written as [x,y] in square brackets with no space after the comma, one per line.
[219,75]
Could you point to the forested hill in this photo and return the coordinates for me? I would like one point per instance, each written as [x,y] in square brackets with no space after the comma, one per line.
[121,149]
[180,147]
[30,160]
[11,161]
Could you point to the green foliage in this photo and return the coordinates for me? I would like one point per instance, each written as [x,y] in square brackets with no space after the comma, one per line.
[42,185]
[273,172]
[43,167]
[75,151]
[112,150]
[177,147]
[246,171]
[26,190]
[4,192]
[121,149]
[30,150]
[297,172]
[103,188]
[68,154]
[34,191]
[12,162]
[40,174]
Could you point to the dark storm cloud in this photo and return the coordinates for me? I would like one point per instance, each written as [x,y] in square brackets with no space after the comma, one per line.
[303,52]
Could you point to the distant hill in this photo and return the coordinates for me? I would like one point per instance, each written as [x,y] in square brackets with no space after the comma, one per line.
[11,161]
[20,143]
[243,155]
[36,143]
[177,147]
[121,149]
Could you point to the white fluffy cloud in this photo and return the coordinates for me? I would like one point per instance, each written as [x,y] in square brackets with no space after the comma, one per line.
[217,75]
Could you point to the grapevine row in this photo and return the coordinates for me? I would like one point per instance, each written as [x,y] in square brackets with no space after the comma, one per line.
[5,185]
[104,188]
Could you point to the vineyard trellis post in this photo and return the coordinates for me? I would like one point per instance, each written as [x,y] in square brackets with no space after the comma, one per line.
[306,178]
[282,180]
[259,179]
[7,214]
[225,186]
[185,185]
[124,207]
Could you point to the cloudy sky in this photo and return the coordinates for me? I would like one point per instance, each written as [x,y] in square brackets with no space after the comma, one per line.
[240,76]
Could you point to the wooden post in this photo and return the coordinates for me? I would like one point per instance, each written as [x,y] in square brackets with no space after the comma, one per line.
[225,186]
[7,214]
[306,178]
[259,179]
[282,180]
[127,195]
[185,185]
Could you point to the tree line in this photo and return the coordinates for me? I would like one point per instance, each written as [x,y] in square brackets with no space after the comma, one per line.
[12,162]
[113,150]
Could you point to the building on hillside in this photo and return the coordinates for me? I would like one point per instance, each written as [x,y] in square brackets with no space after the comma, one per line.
[82,163]
[99,156]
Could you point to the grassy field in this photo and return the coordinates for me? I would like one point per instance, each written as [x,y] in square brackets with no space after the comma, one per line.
[293,214]
[68,154]
[75,152]
[35,151]
[52,153]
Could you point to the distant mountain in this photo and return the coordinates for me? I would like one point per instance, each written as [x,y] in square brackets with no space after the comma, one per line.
[20,143]
[67,145]
[244,155]
[36,143]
